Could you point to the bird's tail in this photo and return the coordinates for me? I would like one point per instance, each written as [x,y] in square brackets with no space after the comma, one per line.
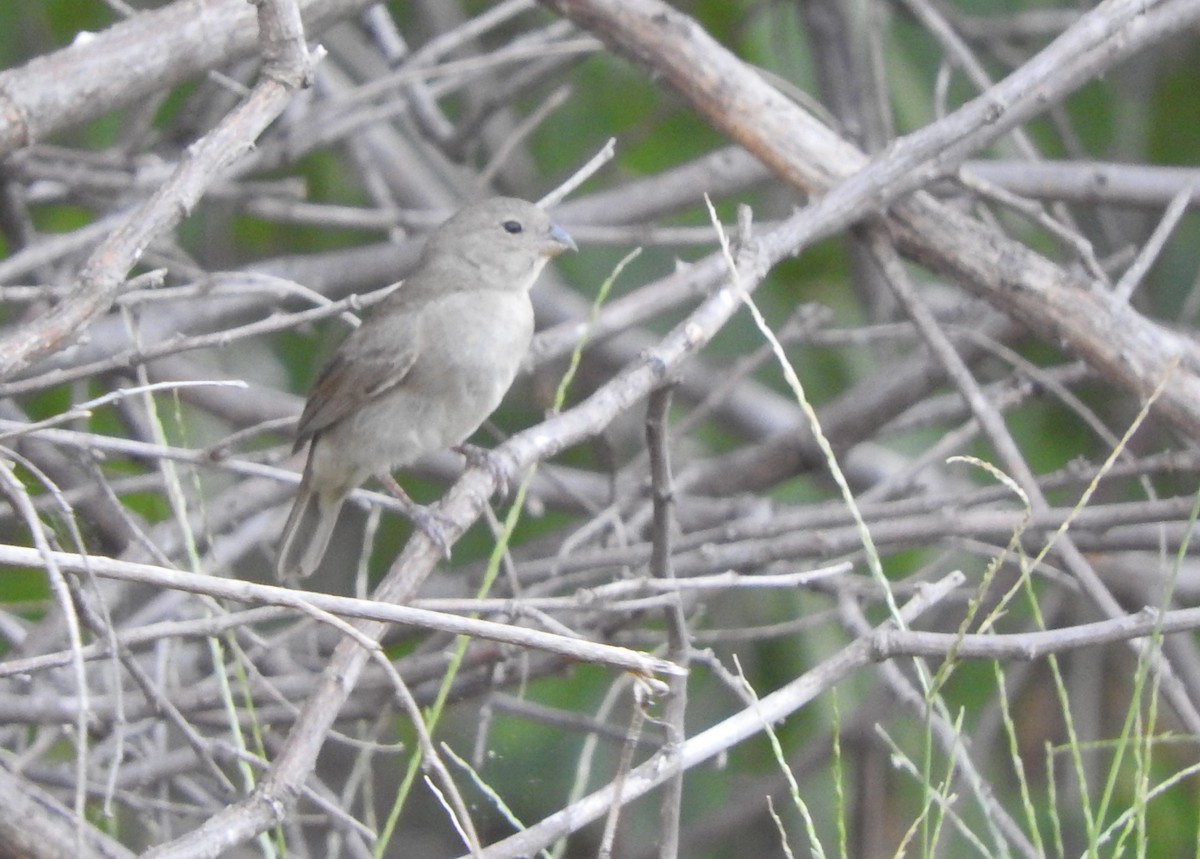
[306,533]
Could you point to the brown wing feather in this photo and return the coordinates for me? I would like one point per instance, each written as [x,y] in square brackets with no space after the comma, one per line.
[344,385]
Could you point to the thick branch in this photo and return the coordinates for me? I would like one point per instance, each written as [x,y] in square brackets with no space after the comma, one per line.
[1060,306]
[102,277]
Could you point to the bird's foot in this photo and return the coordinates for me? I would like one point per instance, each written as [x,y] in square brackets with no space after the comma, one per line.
[431,522]
[481,457]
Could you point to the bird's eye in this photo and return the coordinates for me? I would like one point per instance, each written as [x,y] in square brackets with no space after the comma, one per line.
[513,227]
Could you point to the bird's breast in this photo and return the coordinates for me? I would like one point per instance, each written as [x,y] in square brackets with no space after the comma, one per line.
[477,339]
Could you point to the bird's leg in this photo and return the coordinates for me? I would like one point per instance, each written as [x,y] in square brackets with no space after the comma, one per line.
[429,521]
[481,457]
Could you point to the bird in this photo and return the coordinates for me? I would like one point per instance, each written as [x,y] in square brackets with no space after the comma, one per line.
[425,369]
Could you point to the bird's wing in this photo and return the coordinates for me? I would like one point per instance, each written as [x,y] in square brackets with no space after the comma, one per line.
[384,352]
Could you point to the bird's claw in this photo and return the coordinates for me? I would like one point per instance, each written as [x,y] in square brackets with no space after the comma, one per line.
[433,524]
[481,457]
[430,521]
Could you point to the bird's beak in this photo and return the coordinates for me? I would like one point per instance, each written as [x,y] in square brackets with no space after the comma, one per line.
[559,240]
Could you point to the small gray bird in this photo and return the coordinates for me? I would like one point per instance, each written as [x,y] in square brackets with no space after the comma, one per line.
[424,370]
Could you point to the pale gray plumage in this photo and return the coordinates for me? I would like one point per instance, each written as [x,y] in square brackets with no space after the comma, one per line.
[425,369]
